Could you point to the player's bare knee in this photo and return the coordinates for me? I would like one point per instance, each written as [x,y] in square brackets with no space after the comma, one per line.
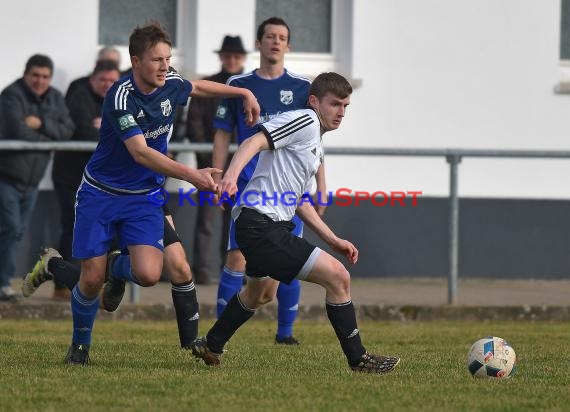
[235,261]
[250,301]
[147,277]
[255,296]
[179,271]
[265,298]
[147,282]
[91,284]
[341,278]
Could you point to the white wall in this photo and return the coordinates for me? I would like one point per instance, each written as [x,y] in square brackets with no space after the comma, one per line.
[66,30]
[457,73]
[202,31]
[435,73]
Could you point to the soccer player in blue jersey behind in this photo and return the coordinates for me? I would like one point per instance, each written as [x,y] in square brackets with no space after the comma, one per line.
[127,169]
[290,147]
[277,90]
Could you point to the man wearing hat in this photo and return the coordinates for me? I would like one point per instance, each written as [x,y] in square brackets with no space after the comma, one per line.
[200,128]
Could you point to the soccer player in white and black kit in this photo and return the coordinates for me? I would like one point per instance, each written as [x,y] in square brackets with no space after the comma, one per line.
[277,90]
[291,151]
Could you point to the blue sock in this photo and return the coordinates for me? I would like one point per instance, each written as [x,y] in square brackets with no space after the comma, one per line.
[287,307]
[230,284]
[121,269]
[84,311]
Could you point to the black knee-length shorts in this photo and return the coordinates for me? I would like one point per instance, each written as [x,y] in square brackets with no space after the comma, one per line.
[270,249]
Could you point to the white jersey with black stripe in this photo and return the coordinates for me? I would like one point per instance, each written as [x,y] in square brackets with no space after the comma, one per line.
[285,172]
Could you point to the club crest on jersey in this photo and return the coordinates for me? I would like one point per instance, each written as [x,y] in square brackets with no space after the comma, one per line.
[286,96]
[166,107]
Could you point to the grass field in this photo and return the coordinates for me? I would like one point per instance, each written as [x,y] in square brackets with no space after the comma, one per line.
[137,366]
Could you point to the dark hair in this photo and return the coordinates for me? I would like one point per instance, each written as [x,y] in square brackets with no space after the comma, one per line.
[277,21]
[105,66]
[143,38]
[39,60]
[330,82]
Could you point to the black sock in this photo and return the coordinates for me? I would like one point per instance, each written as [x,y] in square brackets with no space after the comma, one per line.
[186,308]
[64,272]
[343,321]
[234,315]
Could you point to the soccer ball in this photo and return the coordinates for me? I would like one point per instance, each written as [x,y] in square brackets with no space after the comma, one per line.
[491,357]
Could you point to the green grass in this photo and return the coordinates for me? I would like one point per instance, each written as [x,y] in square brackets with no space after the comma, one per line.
[137,366]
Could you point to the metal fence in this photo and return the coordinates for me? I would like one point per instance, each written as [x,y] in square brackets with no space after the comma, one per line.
[452,156]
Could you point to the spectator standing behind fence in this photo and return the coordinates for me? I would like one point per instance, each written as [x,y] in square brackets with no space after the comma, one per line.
[106,53]
[32,111]
[84,103]
[200,129]
[61,292]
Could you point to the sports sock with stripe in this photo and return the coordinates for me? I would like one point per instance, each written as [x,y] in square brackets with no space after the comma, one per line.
[343,321]
[235,315]
[84,311]
[288,296]
[121,269]
[230,284]
[186,308]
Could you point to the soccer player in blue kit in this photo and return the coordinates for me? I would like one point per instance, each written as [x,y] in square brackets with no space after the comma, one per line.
[127,168]
[277,90]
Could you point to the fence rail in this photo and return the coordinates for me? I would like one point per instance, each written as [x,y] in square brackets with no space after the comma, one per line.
[337,151]
[452,156]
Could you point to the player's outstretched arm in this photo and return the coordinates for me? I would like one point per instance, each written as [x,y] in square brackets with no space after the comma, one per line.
[249,148]
[206,88]
[154,160]
[309,215]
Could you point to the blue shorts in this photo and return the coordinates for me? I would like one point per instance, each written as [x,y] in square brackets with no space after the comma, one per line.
[232,243]
[101,216]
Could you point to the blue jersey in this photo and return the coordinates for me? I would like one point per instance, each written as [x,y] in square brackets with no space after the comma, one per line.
[128,112]
[288,92]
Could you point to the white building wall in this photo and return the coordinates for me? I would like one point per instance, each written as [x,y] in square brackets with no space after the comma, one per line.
[434,73]
[456,73]
[65,30]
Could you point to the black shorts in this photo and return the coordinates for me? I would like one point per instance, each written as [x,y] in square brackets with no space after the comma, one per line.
[270,249]
[170,236]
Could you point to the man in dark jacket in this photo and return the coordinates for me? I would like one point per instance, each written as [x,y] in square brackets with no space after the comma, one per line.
[32,111]
[84,103]
[200,129]
[106,53]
